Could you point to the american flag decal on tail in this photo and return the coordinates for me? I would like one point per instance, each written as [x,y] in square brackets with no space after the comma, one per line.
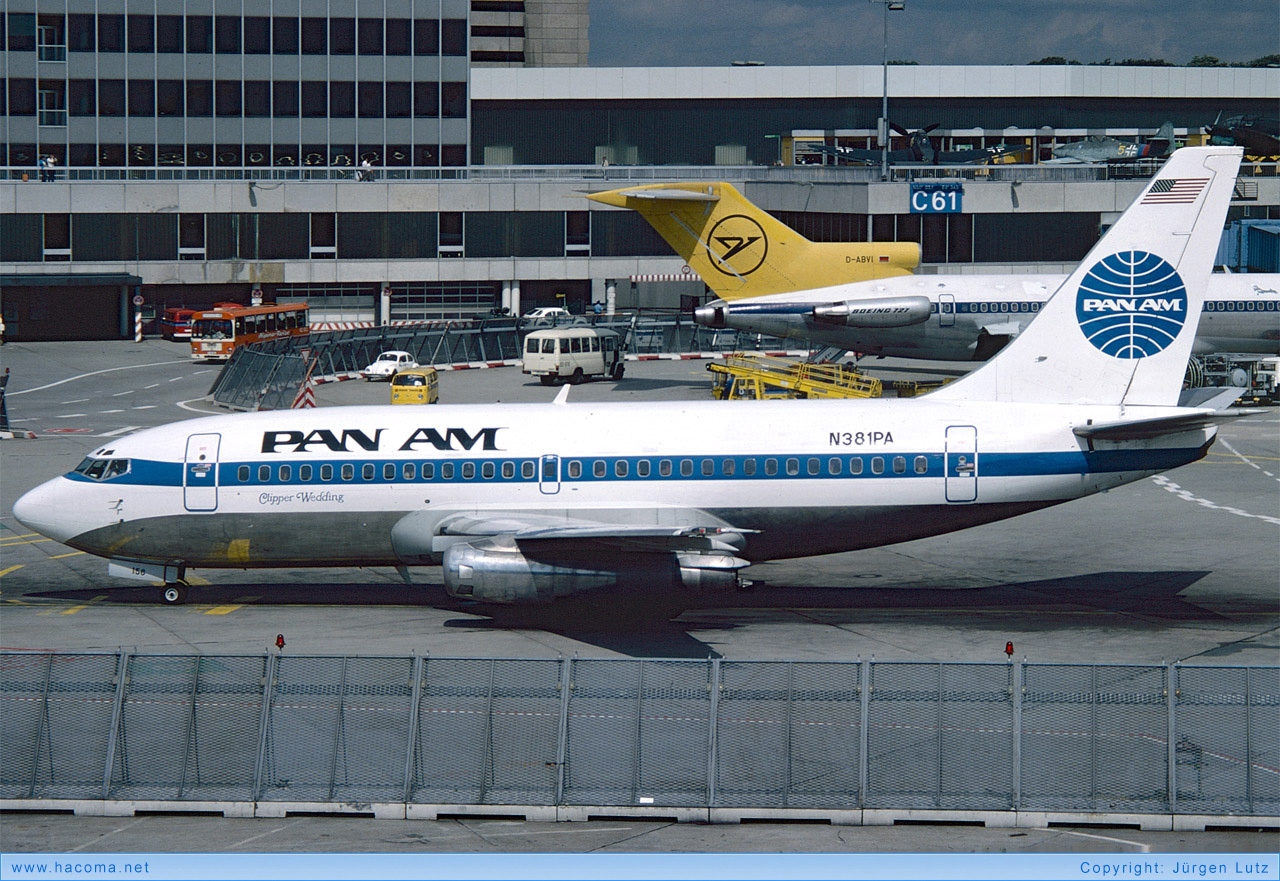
[1174,191]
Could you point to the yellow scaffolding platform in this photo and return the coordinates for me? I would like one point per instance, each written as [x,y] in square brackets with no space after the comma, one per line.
[747,375]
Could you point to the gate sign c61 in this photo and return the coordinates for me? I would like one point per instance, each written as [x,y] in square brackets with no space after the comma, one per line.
[931,197]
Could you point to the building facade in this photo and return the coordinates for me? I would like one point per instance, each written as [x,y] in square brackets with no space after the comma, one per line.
[205,150]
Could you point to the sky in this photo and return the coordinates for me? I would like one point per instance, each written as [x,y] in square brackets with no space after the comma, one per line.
[702,33]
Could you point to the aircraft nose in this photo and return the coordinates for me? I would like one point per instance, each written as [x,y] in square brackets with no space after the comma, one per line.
[38,510]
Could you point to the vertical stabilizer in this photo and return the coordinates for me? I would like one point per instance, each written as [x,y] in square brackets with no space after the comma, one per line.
[742,251]
[1120,329]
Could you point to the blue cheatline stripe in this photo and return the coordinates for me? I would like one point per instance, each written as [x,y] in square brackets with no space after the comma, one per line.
[617,469]
[999,307]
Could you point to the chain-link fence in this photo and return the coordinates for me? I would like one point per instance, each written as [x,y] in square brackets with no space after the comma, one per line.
[673,733]
[269,376]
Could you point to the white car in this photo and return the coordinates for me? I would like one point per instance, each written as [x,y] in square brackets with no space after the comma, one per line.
[549,315]
[388,364]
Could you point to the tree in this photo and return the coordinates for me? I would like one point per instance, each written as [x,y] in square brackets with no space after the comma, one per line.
[1206,61]
[1265,61]
[1051,59]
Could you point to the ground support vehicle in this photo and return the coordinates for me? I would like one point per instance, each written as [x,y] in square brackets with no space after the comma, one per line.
[751,375]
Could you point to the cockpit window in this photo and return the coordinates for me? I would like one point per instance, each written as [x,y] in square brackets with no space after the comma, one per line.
[103,469]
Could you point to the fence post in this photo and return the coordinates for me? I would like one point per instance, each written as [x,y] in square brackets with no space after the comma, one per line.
[488,736]
[415,700]
[44,725]
[864,713]
[339,732]
[791,691]
[191,727]
[938,740]
[714,714]
[1093,737]
[1248,739]
[1019,678]
[117,711]
[1171,754]
[264,725]
[635,755]
[562,735]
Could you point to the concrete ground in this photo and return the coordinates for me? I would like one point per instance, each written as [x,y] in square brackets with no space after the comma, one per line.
[1182,567]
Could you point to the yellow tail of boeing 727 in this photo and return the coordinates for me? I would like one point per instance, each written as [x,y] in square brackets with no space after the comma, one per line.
[741,251]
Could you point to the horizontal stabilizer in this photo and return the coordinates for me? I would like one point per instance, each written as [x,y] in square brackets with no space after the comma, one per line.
[1157,426]
[669,195]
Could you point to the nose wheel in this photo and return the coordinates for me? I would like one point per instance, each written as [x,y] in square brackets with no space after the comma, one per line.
[175,592]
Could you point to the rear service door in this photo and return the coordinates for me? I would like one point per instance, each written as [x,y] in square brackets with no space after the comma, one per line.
[200,472]
[962,463]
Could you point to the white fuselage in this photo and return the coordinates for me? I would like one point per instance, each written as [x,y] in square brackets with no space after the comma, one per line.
[325,487]
[970,317]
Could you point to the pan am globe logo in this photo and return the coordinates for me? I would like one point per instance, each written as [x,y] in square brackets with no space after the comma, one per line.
[1131,305]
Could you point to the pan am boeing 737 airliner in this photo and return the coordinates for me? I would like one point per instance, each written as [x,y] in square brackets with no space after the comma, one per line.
[528,502]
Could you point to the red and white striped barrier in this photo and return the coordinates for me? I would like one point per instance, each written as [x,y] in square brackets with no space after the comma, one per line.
[460,323]
[306,398]
[716,356]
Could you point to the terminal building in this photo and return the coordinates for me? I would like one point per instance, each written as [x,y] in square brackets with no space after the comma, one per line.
[212,150]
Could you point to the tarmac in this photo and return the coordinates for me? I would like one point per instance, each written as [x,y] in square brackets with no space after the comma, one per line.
[1183,567]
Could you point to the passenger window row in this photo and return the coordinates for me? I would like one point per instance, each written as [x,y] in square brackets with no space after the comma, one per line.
[750,466]
[1241,306]
[998,307]
[575,469]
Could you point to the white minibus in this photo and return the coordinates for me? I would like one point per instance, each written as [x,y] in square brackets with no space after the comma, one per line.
[572,353]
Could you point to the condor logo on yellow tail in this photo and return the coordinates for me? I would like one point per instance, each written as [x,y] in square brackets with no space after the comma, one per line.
[740,243]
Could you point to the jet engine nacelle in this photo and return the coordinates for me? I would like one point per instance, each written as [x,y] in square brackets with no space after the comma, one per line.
[880,312]
[495,571]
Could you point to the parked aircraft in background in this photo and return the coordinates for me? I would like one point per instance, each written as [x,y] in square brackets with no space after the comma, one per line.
[935,317]
[741,251]
[1100,149]
[1259,135]
[920,151]
[971,317]
[525,503]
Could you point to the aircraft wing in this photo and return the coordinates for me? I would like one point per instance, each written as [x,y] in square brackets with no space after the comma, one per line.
[847,154]
[957,157]
[529,526]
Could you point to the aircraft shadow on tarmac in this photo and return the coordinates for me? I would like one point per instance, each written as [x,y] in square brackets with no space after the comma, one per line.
[650,626]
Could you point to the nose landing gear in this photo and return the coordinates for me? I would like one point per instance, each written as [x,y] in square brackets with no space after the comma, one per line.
[175,591]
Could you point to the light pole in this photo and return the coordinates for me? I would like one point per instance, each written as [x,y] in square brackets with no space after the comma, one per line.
[896,6]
